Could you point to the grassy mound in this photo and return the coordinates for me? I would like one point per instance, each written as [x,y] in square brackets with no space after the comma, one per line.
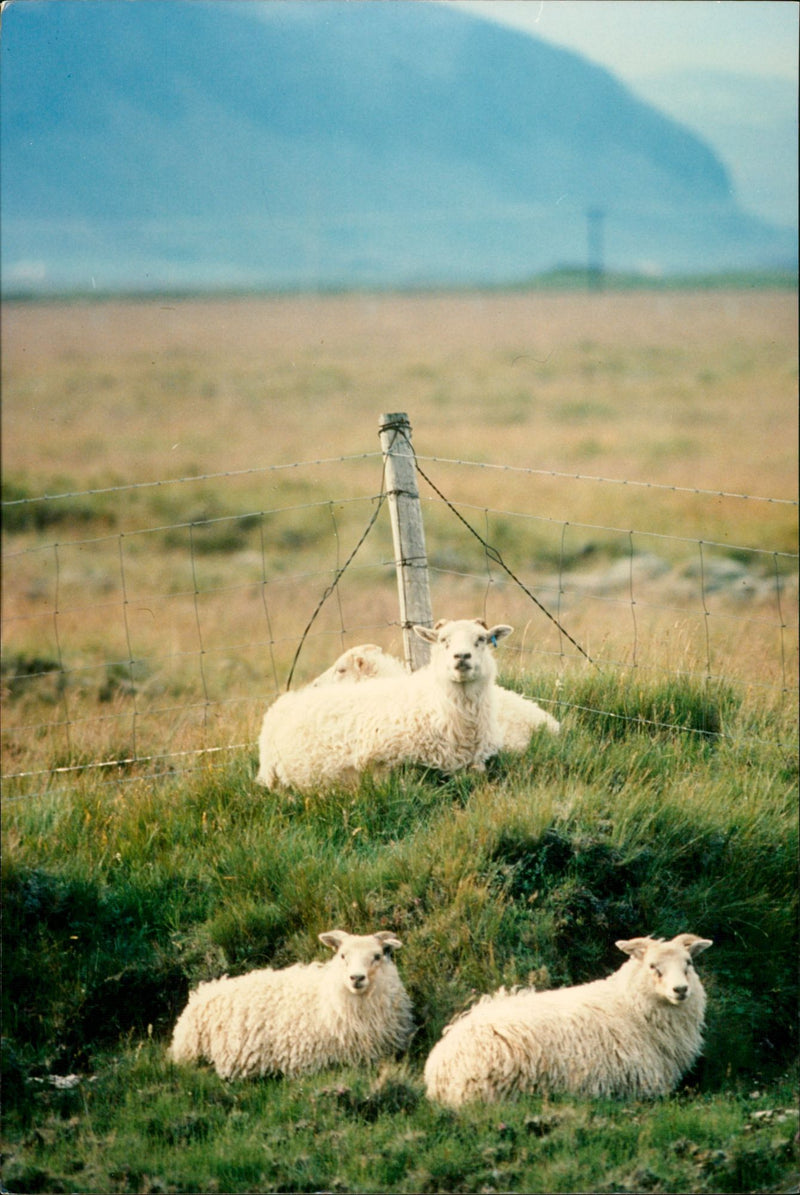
[656,810]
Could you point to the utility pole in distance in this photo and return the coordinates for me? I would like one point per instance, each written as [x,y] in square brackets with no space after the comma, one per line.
[594,236]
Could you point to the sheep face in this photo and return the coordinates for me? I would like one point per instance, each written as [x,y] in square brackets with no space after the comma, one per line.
[360,959]
[667,965]
[460,648]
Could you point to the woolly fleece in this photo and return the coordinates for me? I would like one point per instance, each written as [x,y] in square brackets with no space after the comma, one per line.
[351,1009]
[631,1035]
[443,716]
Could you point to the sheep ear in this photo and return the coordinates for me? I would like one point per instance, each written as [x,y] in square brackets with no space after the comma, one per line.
[333,938]
[694,944]
[390,942]
[499,632]
[430,636]
[635,947]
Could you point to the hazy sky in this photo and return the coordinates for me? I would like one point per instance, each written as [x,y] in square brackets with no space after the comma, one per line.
[636,38]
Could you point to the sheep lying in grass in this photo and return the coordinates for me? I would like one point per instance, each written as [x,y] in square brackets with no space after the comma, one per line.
[633,1034]
[364,662]
[442,716]
[518,717]
[351,1009]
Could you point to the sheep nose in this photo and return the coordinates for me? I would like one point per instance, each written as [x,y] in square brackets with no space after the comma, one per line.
[462,657]
[358,981]
[680,990]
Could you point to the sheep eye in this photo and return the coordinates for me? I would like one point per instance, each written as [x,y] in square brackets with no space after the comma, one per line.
[376,958]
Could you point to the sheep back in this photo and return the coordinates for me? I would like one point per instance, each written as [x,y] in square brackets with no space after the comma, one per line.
[518,716]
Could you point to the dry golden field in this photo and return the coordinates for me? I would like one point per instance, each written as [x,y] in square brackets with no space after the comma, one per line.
[142,628]
[692,389]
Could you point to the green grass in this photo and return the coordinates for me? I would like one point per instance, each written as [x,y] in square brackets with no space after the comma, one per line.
[143,1127]
[677,814]
[577,277]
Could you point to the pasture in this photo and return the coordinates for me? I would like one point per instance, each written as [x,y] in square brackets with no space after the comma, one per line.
[142,625]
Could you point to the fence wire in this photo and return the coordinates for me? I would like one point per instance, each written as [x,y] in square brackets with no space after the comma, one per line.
[183,631]
[645,485]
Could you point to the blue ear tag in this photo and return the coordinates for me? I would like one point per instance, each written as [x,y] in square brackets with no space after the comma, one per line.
[493,640]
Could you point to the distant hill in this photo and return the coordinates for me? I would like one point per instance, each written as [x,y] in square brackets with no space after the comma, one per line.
[179,143]
[752,123]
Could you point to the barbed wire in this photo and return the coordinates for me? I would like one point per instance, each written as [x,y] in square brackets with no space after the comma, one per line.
[334,583]
[728,547]
[492,553]
[251,643]
[147,485]
[649,485]
[105,766]
[678,539]
[138,756]
[363,456]
[187,524]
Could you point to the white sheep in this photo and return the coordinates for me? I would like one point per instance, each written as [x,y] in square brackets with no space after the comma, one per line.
[518,716]
[351,1009]
[633,1034]
[443,716]
[364,662]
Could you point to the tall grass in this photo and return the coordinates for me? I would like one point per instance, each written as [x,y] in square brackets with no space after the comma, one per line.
[117,902]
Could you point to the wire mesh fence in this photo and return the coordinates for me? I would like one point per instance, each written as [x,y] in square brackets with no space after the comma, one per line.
[149,648]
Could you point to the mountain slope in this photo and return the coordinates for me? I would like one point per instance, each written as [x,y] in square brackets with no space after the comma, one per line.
[752,122]
[179,142]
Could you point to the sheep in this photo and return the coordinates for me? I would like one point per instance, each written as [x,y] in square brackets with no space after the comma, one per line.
[518,716]
[360,663]
[633,1034]
[351,1009]
[442,716]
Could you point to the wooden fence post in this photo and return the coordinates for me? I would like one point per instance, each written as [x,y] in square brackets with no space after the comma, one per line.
[408,534]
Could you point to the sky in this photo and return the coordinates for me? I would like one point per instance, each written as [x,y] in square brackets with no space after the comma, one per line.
[638,38]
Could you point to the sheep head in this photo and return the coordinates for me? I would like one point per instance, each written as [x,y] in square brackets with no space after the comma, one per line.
[667,964]
[461,648]
[357,663]
[359,959]
[360,663]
